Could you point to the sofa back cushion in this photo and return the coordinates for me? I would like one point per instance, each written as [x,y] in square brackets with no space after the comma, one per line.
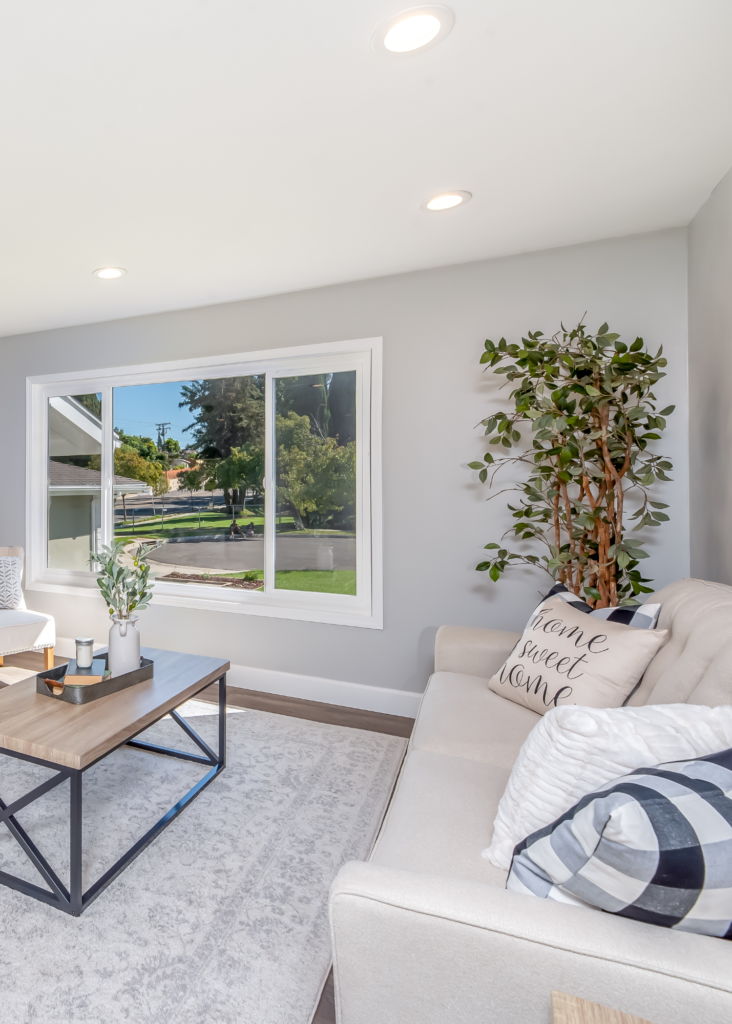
[695,664]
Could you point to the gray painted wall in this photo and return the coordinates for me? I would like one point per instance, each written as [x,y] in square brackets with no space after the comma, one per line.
[710,385]
[435,516]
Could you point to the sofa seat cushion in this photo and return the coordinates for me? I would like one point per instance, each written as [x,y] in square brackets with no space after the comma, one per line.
[441,817]
[462,717]
[22,630]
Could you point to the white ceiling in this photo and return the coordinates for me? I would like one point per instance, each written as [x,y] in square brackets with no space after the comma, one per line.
[221,149]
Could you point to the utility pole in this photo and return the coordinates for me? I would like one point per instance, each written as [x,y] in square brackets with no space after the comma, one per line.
[162,431]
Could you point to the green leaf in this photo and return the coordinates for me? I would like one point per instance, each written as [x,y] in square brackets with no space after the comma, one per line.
[483,475]
[475,465]
[667,411]
[494,573]
[490,547]
[637,345]
[603,330]
[592,390]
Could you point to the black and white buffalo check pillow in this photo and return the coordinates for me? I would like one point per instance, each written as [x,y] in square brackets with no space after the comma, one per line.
[642,616]
[655,845]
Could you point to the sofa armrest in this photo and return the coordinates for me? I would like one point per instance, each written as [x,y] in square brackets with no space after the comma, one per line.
[421,949]
[472,652]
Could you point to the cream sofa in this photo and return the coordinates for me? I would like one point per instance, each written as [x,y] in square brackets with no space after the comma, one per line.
[425,932]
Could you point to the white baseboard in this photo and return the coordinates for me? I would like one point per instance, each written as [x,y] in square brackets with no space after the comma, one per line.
[326,691]
[290,684]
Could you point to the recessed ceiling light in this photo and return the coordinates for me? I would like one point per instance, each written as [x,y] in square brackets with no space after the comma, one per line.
[415,29]
[412,33]
[109,273]
[446,201]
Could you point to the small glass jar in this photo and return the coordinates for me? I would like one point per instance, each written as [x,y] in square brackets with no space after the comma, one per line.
[84,651]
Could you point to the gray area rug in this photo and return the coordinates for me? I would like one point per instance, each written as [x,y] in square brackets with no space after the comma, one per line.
[223,920]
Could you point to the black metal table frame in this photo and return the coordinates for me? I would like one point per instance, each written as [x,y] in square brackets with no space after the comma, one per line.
[73,900]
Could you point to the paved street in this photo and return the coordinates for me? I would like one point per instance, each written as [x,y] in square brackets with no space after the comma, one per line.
[241,554]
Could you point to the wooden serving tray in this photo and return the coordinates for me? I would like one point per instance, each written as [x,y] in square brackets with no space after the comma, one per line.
[85,693]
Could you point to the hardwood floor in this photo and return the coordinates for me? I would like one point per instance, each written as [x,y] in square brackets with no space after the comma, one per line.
[331,714]
[30,660]
[325,1014]
[372,721]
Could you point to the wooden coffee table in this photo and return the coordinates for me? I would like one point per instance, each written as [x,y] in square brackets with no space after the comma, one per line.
[71,738]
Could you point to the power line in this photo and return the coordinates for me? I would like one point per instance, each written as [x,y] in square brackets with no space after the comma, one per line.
[162,429]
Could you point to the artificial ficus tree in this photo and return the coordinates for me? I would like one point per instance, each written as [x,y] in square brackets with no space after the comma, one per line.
[588,399]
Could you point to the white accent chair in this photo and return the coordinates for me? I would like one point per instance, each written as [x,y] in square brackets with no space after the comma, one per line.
[22,630]
[425,932]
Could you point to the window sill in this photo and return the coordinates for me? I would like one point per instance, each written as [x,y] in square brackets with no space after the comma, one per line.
[336,610]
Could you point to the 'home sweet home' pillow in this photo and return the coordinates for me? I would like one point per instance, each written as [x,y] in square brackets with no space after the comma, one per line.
[567,657]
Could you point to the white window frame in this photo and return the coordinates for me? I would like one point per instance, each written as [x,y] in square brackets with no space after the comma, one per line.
[364,356]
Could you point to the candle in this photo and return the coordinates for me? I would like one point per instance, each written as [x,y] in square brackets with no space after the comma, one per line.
[84,651]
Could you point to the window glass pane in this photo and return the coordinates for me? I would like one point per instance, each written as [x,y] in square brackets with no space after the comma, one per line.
[189,462]
[74,480]
[315,431]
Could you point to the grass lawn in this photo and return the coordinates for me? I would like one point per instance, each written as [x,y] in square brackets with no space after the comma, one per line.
[339,581]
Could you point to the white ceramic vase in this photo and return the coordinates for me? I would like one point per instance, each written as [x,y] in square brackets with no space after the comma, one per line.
[124,646]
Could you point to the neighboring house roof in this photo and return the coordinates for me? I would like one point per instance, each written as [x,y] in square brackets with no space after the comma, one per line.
[74,478]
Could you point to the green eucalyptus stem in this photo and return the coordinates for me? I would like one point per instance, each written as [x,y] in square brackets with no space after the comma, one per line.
[126,590]
[588,400]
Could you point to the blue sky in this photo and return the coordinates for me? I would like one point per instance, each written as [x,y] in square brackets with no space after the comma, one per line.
[137,409]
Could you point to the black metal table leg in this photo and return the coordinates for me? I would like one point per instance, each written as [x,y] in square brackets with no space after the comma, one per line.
[222,721]
[75,901]
[76,844]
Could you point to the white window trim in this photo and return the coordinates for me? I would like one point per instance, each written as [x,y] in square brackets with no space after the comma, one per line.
[364,355]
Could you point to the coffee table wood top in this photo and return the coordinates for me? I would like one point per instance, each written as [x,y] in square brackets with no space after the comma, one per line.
[572,1010]
[76,735]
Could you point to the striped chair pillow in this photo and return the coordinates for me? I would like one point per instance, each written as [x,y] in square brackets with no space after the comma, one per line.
[11,576]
